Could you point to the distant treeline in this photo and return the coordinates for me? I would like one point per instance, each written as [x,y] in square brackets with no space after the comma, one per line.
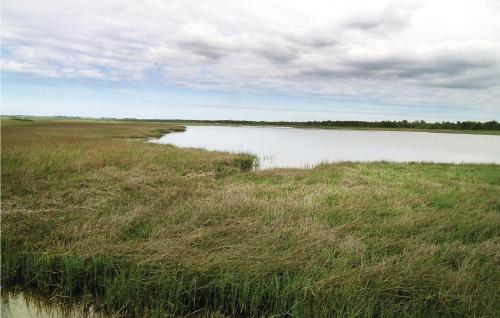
[419,124]
[460,125]
[403,124]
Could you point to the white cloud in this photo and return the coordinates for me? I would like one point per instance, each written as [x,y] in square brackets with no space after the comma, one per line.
[408,52]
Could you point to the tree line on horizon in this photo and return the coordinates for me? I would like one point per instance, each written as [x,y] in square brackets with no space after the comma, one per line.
[419,124]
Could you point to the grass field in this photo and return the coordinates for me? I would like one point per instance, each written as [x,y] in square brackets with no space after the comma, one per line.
[90,210]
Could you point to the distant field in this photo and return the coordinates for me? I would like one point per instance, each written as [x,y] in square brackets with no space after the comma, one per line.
[90,210]
[481,128]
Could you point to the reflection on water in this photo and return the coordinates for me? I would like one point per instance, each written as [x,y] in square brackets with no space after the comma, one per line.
[26,305]
[293,147]
[21,305]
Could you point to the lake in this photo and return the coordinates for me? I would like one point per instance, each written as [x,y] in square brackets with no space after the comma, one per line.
[285,147]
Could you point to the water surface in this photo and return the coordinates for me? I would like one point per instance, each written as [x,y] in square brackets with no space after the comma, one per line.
[294,147]
[21,305]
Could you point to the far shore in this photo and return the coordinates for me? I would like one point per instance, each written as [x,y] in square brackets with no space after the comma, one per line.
[302,125]
[445,131]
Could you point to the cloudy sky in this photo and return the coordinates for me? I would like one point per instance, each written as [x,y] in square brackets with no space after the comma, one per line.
[264,60]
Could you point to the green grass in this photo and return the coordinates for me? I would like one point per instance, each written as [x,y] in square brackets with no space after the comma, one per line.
[147,229]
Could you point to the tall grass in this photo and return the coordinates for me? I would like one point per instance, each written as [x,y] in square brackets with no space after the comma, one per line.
[153,230]
[145,289]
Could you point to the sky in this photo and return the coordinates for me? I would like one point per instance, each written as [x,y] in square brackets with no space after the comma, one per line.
[427,60]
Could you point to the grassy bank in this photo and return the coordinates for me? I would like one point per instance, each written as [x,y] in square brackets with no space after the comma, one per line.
[150,229]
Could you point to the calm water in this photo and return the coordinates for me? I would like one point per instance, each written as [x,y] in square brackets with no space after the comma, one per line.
[19,305]
[293,147]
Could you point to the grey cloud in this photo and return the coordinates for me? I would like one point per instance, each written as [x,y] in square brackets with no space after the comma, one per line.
[471,81]
[464,84]
[313,38]
[394,16]
[470,65]
[413,67]
[205,48]
[376,22]
[383,53]
[276,50]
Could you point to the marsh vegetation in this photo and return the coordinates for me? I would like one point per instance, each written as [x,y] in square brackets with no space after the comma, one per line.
[90,210]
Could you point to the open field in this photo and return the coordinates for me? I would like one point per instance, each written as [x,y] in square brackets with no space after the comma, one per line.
[90,210]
